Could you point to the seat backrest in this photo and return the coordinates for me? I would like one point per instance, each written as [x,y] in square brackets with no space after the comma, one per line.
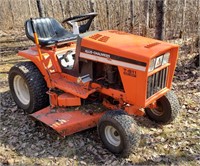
[46,28]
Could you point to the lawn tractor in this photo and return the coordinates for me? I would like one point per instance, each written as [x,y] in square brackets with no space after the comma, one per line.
[78,80]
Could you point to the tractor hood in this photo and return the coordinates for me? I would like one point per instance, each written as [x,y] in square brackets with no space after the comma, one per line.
[123,45]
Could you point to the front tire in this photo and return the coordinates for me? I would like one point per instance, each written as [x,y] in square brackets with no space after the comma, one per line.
[28,87]
[167,109]
[119,133]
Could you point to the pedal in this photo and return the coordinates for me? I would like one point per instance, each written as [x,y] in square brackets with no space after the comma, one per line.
[84,79]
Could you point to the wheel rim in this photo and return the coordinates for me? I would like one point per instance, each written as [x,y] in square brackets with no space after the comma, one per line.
[159,111]
[21,90]
[112,136]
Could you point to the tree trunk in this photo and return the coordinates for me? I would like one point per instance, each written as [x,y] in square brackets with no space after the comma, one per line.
[62,9]
[107,14]
[52,7]
[182,32]
[199,29]
[11,11]
[159,19]
[92,5]
[69,8]
[146,9]
[131,15]
[40,8]
[29,6]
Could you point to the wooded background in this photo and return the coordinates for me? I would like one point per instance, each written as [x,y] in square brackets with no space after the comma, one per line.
[181,17]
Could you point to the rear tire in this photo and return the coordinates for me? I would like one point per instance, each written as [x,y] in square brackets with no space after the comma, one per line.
[119,133]
[28,87]
[167,111]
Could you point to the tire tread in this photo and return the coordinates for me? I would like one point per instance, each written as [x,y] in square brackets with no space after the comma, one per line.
[127,122]
[35,82]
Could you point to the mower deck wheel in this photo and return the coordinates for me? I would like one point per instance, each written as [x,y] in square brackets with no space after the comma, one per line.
[167,109]
[119,133]
[28,87]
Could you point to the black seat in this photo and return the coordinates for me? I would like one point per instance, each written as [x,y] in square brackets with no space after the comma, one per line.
[49,31]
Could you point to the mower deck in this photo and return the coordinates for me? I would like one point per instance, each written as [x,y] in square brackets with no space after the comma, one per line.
[67,121]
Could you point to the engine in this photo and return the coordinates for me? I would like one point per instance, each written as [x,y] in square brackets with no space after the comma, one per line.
[107,75]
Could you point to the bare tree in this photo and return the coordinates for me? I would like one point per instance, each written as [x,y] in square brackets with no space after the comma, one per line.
[91,5]
[198,45]
[183,19]
[52,8]
[175,19]
[11,11]
[159,19]
[40,8]
[146,8]
[131,14]
[29,6]
[62,9]
[107,13]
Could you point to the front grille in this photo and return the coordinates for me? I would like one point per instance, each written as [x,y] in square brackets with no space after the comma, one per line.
[156,82]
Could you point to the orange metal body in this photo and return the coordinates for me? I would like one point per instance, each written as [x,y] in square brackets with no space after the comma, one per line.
[134,77]
[63,100]
[68,99]
[135,48]
[67,122]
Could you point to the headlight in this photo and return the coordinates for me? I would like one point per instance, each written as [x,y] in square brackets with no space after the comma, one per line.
[152,64]
[166,58]
[159,61]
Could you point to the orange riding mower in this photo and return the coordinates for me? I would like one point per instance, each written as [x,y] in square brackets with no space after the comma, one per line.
[81,79]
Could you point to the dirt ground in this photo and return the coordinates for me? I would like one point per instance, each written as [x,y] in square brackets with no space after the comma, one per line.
[24,142]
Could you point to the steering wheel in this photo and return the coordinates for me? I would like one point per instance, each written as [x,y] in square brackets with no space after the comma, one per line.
[85,27]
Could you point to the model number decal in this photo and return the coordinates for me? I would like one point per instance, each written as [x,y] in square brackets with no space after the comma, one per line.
[130,72]
[112,56]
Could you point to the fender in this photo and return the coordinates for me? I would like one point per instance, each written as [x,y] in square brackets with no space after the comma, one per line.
[33,56]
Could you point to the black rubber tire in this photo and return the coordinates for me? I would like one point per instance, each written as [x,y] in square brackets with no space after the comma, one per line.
[127,130]
[36,85]
[170,107]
